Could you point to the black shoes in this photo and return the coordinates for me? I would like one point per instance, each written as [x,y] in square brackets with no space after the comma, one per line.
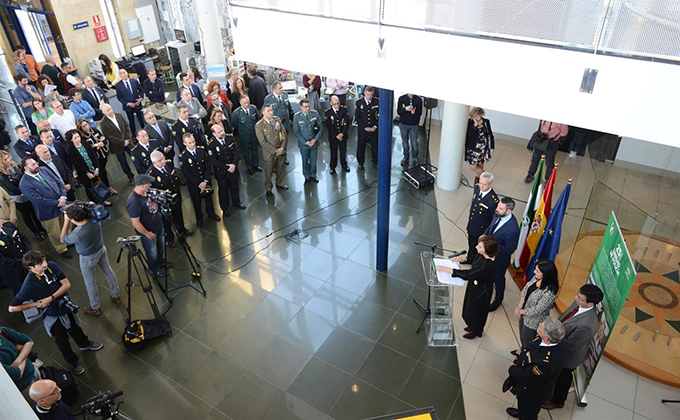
[315,179]
[361,168]
[404,162]
[40,236]
[333,171]
[287,162]
[282,187]
[240,206]
[131,182]
[307,181]
[513,412]
[187,233]
[226,214]
[172,244]
[270,194]
[251,172]
[199,223]
[257,168]
[375,165]
[215,217]
[346,168]
[528,179]
[168,264]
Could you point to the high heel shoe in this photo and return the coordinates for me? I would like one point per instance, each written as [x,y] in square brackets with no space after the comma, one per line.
[473,334]
[467,329]
[112,191]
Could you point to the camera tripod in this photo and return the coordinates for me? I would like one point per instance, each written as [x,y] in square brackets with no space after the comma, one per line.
[134,256]
[193,261]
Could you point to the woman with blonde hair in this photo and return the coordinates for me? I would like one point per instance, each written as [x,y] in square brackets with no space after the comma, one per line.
[10,175]
[479,142]
[217,117]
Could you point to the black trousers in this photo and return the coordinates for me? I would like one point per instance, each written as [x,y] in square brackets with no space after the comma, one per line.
[61,335]
[549,160]
[102,171]
[502,263]
[562,385]
[131,112]
[196,199]
[529,403]
[29,217]
[228,185]
[178,217]
[370,138]
[335,145]
[473,237]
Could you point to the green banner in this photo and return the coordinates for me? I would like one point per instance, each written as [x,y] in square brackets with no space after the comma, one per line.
[614,272]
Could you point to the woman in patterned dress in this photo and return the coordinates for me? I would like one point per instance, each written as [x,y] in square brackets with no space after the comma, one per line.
[479,142]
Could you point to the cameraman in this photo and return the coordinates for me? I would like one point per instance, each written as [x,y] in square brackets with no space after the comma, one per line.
[46,286]
[148,223]
[165,178]
[87,237]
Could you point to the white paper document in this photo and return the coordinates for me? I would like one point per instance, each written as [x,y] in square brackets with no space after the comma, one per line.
[444,277]
[49,89]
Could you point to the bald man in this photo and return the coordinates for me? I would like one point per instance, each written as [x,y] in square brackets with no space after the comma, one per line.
[47,397]
[117,131]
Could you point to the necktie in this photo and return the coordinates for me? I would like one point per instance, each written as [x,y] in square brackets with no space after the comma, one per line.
[278,98]
[41,179]
[96,95]
[248,111]
[127,83]
[570,314]
[495,225]
[193,153]
[53,150]
[163,171]
[160,133]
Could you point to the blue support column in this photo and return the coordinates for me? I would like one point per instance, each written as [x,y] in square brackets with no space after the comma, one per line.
[384,170]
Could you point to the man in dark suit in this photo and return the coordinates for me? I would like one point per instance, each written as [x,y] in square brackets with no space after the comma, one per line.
[196,169]
[337,122]
[505,229]
[536,368]
[257,88]
[13,245]
[25,144]
[216,103]
[580,323]
[223,153]
[58,168]
[94,95]
[184,125]
[56,135]
[165,178]
[117,131]
[482,208]
[160,131]
[56,148]
[185,79]
[129,93]
[48,195]
[141,153]
[366,115]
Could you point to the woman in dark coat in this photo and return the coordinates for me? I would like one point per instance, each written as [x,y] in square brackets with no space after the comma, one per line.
[100,145]
[85,161]
[480,285]
[479,142]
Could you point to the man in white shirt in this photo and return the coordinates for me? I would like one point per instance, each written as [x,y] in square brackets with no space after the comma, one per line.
[94,95]
[62,120]
[339,89]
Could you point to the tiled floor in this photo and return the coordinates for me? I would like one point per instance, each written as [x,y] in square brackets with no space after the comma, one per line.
[309,330]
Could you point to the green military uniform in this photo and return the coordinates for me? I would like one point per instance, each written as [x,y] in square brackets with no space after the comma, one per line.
[281,107]
[243,121]
[534,372]
[308,127]
[272,136]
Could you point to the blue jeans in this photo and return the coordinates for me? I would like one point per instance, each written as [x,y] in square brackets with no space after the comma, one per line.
[308,161]
[409,131]
[154,249]
[88,263]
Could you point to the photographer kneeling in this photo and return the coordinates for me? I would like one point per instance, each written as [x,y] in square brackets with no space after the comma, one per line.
[87,237]
[47,287]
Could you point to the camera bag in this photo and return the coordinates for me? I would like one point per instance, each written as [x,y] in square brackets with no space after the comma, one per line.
[64,380]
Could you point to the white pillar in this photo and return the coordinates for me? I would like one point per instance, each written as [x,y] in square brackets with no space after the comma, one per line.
[452,145]
[211,40]
[13,405]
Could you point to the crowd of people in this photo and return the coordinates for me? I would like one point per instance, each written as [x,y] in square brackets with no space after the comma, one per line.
[72,129]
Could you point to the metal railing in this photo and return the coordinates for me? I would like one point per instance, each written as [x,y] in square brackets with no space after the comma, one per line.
[633,28]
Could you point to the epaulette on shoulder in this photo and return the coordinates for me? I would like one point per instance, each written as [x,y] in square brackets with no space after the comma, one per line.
[297,112]
[183,152]
[200,147]
[328,109]
[133,149]
[343,106]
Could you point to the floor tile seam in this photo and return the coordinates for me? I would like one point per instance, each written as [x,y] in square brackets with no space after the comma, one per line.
[367,383]
[513,404]
[477,348]
[611,402]
[458,397]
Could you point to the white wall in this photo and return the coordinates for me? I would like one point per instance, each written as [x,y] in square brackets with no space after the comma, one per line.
[529,81]
[640,152]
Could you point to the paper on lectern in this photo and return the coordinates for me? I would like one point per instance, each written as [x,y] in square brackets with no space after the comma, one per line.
[445,278]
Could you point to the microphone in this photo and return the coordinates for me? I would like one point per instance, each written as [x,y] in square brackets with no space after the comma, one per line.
[458,254]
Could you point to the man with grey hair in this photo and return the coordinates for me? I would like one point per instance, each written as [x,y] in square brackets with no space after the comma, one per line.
[535,370]
[482,208]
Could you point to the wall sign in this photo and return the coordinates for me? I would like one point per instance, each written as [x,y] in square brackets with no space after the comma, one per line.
[80,25]
[96,20]
[101,34]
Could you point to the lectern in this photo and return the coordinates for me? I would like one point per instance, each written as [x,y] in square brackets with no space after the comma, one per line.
[439,325]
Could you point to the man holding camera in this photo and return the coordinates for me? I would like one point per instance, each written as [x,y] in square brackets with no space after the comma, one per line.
[165,178]
[148,223]
[87,237]
[46,287]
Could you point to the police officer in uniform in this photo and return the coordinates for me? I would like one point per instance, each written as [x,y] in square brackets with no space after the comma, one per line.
[337,122]
[273,138]
[196,170]
[165,178]
[243,120]
[223,156]
[278,99]
[482,210]
[535,370]
[307,127]
[366,115]
[141,153]
[185,124]
[13,245]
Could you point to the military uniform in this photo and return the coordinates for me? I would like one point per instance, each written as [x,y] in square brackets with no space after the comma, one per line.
[308,127]
[196,169]
[222,153]
[167,179]
[534,372]
[141,156]
[13,245]
[244,123]
[482,210]
[366,115]
[272,137]
[192,126]
[338,122]
[281,107]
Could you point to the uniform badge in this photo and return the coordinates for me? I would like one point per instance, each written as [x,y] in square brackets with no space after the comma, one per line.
[158,178]
[2,243]
[184,130]
[217,148]
[361,106]
[143,154]
[132,157]
[190,161]
[332,118]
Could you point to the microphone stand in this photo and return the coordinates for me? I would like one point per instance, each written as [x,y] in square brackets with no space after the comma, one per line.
[427,312]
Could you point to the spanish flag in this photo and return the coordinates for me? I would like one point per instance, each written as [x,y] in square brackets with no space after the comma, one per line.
[529,211]
[538,224]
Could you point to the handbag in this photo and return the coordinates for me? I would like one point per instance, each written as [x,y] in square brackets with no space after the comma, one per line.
[539,140]
[100,190]
[33,315]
